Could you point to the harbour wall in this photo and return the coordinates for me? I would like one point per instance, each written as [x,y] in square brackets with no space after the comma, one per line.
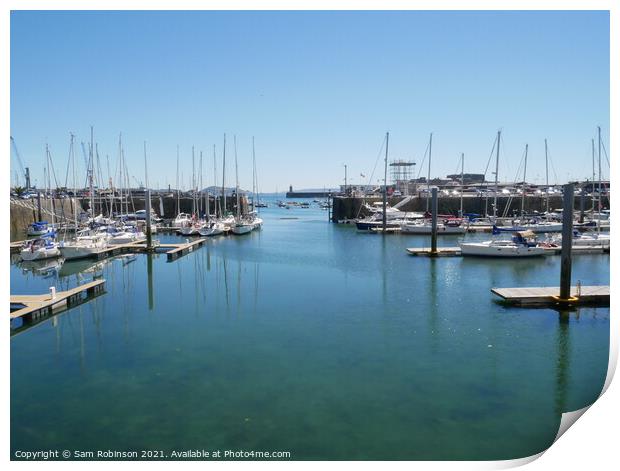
[352,207]
[26,211]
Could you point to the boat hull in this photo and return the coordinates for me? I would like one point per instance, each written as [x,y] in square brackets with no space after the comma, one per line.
[506,251]
[242,229]
[428,230]
[39,254]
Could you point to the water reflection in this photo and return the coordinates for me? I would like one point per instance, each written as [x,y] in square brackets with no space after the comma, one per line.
[45,268]
[563,361]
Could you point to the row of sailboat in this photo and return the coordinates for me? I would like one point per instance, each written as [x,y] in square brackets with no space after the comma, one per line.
[383,217]
[219,222]
[100,232]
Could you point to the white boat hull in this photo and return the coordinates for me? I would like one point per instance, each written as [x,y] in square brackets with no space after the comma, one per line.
[212,230]
[39,254]
[240,229]
[428,230]
[82,248]
[127,238]
[539,228]
[490,250]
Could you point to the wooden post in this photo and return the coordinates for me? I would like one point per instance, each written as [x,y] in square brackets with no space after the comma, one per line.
[434,223]
[39,205]
[582,204]
[149,238]
[567,241]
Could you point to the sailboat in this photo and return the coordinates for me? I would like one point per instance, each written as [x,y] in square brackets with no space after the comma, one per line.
[40,248]
[93,242]
[241,225]
[256,220]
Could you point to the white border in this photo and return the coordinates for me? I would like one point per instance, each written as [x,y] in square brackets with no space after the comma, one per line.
[591,444]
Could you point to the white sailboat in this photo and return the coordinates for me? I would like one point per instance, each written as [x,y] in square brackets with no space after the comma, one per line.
[39,249]
[86,245]
[241,225]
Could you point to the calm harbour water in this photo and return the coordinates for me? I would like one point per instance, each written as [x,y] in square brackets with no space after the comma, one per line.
[311,338]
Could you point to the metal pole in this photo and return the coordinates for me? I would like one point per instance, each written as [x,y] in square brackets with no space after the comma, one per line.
[428,178]
[387,141]
[567,241]
[547,177]
[523,186]
[434,223]
[496,179]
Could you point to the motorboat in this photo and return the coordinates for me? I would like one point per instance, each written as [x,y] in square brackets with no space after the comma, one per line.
[126,235]
[181,220]
[40,249]
[522,244]
[83,246]
[444,227]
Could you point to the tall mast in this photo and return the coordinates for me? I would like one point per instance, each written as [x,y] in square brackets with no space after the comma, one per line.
[90,176]
[48,182]
[120,174]
[253,175]
[111,183]
[600,194]
[193,183]
[214,183]
[593,176]
[523,186]
[178,187]
[428,178]
[547,177]
[499,135]
[462,181]
[72,153]
[237,178]
[224,178]
[200,184]
[387,142]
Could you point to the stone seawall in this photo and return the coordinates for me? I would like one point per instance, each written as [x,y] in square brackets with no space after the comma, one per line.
[351,208]
[24,212]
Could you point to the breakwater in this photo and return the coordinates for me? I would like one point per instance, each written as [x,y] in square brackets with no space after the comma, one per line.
[353,207]
[26,211]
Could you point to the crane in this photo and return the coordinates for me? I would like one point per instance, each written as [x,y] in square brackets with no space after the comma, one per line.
[25,170]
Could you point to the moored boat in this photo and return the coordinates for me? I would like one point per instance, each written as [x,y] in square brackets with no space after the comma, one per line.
[523,244]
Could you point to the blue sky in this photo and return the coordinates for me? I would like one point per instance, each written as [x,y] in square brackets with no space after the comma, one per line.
[316,89]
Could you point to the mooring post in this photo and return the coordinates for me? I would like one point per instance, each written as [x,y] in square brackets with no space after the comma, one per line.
[149,239]
[582,204]
[567,241]
[434,223]
[39,205]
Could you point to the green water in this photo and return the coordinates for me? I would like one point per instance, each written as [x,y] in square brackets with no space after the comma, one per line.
[311,338]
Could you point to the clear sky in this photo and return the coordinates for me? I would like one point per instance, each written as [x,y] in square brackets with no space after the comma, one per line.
[316,89]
